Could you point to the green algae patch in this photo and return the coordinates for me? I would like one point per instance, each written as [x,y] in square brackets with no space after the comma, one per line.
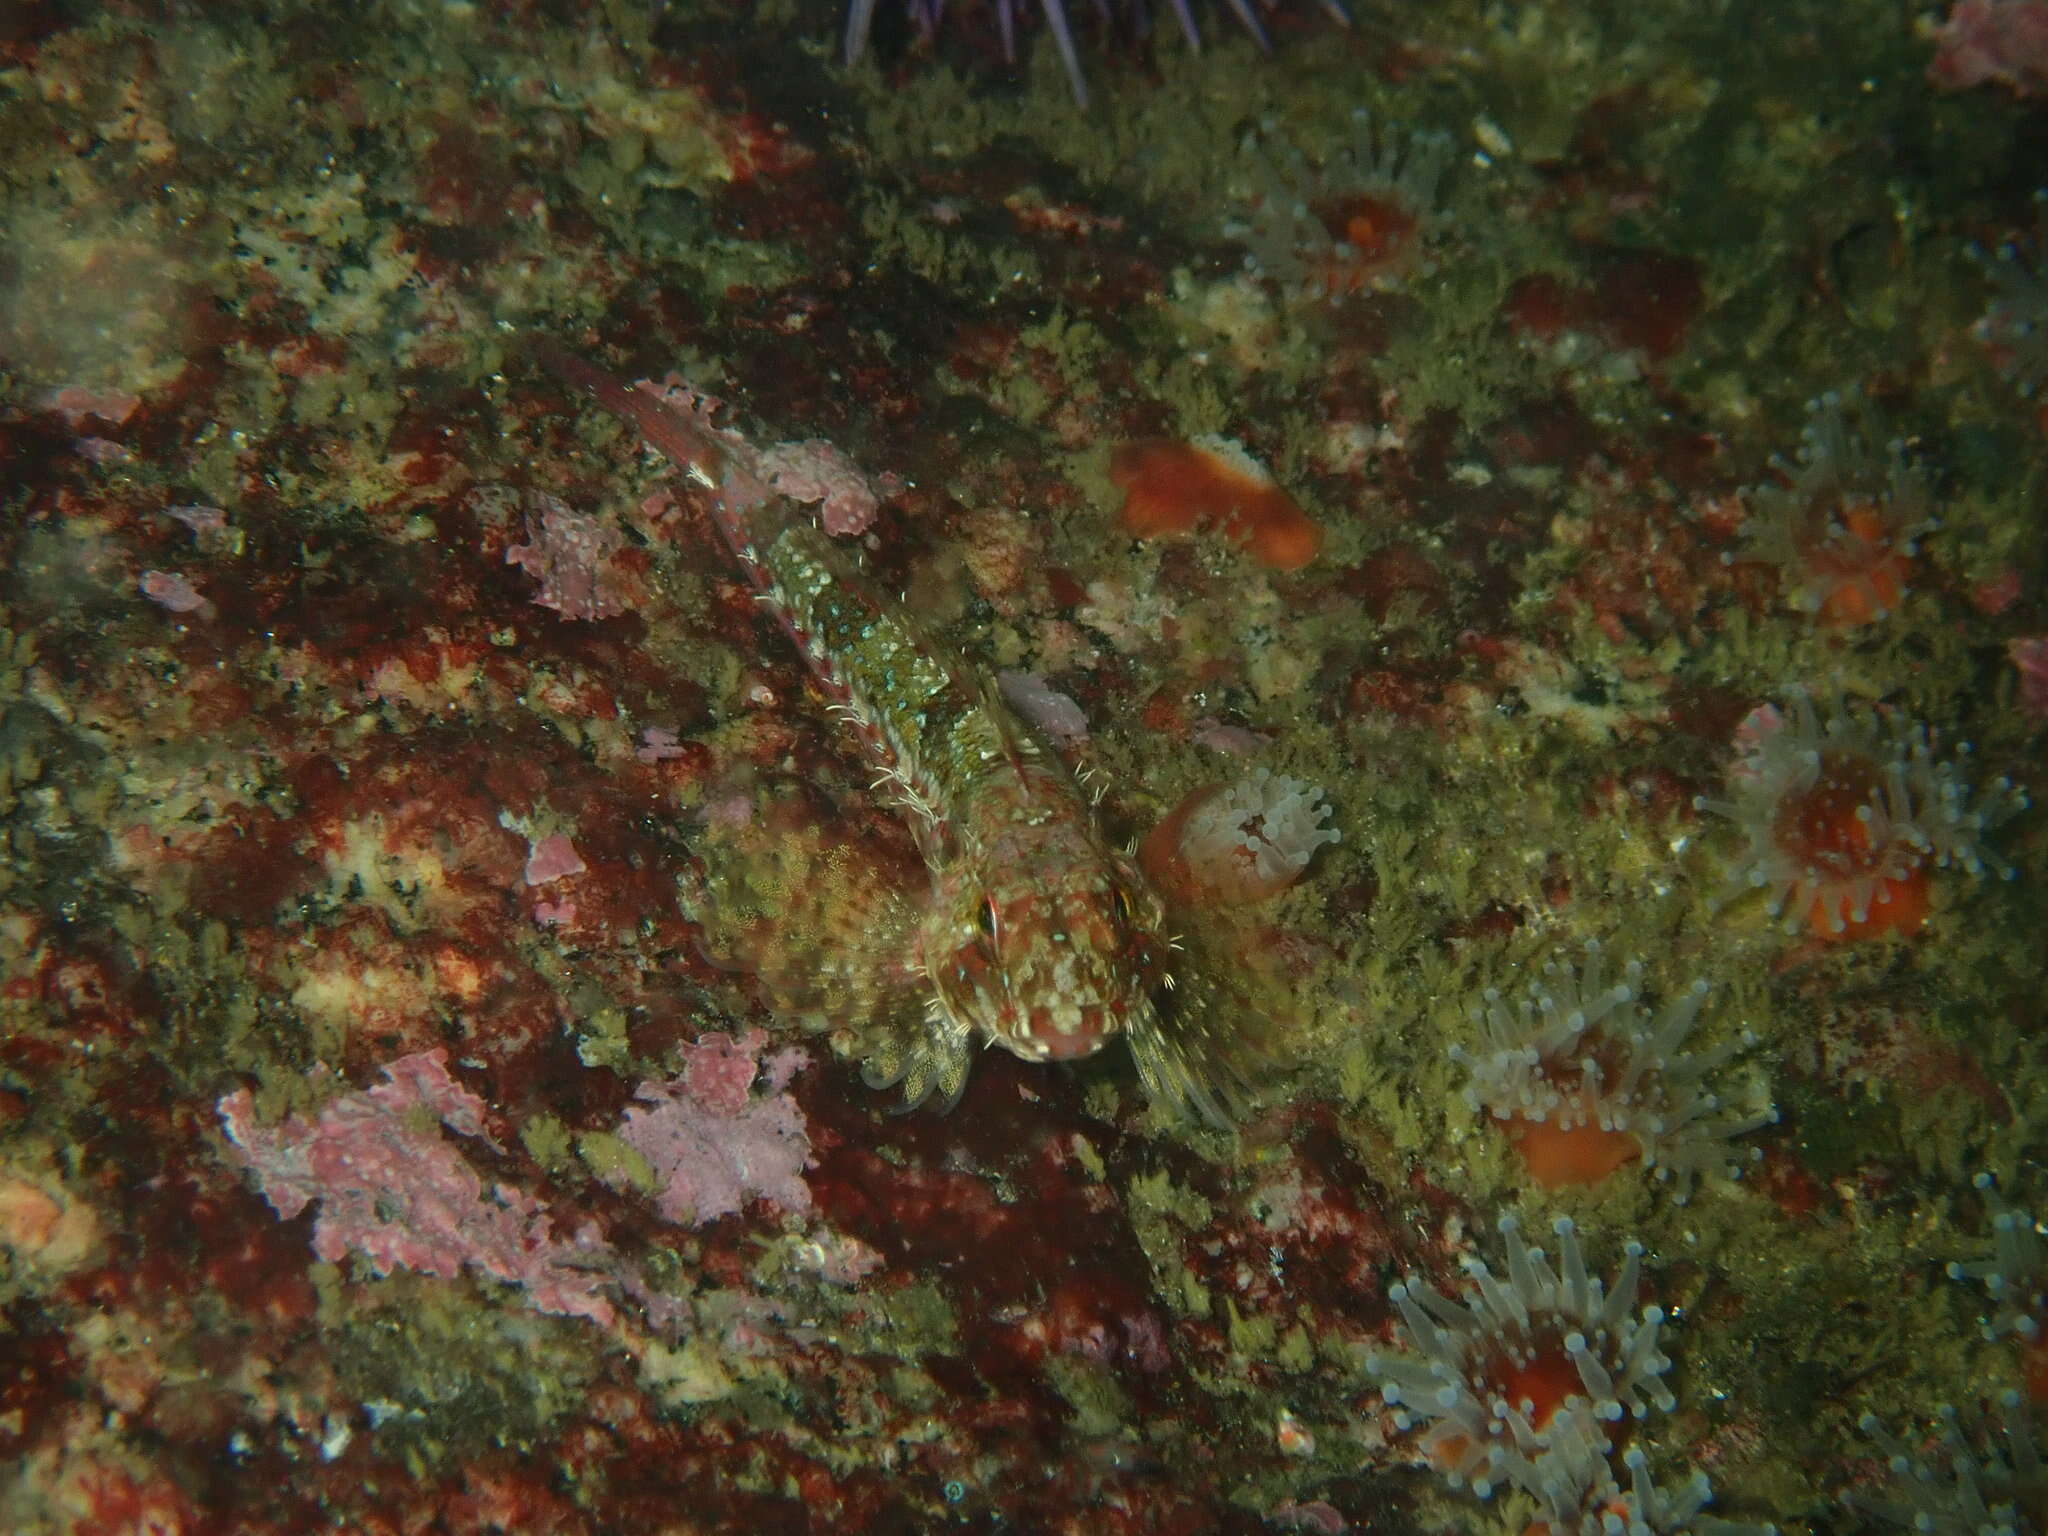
[442,1378]
[611,1161]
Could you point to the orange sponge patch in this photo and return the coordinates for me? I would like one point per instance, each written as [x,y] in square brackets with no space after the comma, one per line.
[1171,487]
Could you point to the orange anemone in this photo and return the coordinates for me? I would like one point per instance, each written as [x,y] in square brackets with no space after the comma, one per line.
[1828,829]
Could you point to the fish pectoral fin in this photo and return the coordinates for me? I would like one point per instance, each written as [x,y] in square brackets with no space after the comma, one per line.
[930,1057]
[1189,1068]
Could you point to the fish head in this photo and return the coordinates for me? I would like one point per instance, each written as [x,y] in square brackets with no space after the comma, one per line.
[1052,961]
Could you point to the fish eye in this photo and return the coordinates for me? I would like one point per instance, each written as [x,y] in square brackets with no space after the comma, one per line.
[986,918]
[1122,898]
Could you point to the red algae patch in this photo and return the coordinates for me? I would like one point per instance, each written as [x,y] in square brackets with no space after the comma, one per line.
[1847,816]
[1173,487]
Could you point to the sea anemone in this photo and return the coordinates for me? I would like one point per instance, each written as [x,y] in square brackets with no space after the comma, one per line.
[1527,1379]
[2015,327]
[2015,1280]
[1531,1383]
[1961,1492]
[1583,1078]
[1843,523]
[2016,1274]
[1237,843]
[925,14]
[1847,813]
[1358,220]
[1648,1510]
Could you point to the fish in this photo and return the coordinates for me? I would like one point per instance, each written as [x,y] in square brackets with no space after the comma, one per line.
[1038,934]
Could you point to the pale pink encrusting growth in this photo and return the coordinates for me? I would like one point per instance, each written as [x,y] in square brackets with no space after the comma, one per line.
[174,593]
[816,471]
[570,553]
[77,405]
[2001,40]
[200,519]
[552,858]
[1055,715]
[394,1189]
[712,1141]
[658,744]
[2030,656]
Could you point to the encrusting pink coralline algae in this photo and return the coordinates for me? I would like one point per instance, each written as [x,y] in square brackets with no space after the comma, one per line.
[392,1188]
[569,553]
[713,1140]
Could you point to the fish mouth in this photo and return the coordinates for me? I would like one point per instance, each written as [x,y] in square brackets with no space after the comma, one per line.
[1046,1041]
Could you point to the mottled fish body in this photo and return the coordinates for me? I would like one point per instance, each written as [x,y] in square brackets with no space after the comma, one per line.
[1039,935]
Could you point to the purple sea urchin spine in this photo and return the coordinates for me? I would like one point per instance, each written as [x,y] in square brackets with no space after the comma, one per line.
[925,16]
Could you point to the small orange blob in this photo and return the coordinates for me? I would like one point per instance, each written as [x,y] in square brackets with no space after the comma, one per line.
[1558,1156]
[1858,571]
[1172,487]
[1377,238]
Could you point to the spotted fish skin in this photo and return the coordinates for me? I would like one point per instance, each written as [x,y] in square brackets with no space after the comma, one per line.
[1038,934]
